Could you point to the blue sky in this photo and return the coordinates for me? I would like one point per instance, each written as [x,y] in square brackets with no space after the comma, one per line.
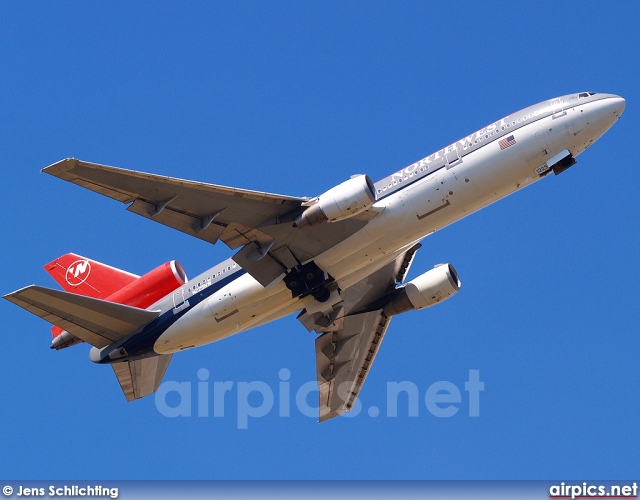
[293,98]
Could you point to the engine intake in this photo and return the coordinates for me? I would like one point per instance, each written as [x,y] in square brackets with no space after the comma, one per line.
[340,202]
[426,290]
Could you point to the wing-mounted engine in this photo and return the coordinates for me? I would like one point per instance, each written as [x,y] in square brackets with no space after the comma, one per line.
[341,202]
[352,330]
[428,289]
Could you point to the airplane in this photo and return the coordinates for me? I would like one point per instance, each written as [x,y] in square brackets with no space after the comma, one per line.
[339,259]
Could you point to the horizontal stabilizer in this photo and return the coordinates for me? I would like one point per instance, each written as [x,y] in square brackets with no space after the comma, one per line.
[95,321]
[141,377]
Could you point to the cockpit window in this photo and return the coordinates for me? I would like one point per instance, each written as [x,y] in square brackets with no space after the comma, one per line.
[592,93]
[584,94]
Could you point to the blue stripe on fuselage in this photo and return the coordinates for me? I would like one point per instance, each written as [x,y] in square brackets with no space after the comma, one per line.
[140,345]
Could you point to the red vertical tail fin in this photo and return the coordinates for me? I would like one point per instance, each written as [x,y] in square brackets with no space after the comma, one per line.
[77,274]
[82,276]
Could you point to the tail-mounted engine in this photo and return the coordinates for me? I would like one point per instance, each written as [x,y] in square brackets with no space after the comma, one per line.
[152,286]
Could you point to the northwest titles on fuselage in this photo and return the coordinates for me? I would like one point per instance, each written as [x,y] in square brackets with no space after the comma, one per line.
[453,153]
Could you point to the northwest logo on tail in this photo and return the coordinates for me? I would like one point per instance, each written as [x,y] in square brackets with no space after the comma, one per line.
[78,272]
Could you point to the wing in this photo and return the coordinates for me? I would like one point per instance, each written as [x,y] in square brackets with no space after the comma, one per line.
[206,211]
[141,377]
[351,336]
[343,359]
[260,223]
[95,321]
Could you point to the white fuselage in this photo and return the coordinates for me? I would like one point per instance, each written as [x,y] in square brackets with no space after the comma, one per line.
[411,204]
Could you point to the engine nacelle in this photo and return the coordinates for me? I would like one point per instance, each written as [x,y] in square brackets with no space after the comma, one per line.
[62,339]
[151,287]
[341,202]
[426,290]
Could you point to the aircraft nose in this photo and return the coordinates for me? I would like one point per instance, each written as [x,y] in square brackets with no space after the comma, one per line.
[617,105]
[606,113]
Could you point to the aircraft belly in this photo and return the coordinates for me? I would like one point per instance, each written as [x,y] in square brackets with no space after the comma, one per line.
[201,325]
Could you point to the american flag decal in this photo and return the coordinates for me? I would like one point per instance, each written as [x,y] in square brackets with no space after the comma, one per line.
[505,143]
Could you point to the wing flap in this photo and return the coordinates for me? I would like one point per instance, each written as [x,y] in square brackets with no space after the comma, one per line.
[351,334]
[258,262]
[95,321]
[198,200]
[343,360]
[141,377]
[204,228]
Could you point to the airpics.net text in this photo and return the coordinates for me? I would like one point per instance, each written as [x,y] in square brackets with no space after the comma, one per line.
[256,399]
